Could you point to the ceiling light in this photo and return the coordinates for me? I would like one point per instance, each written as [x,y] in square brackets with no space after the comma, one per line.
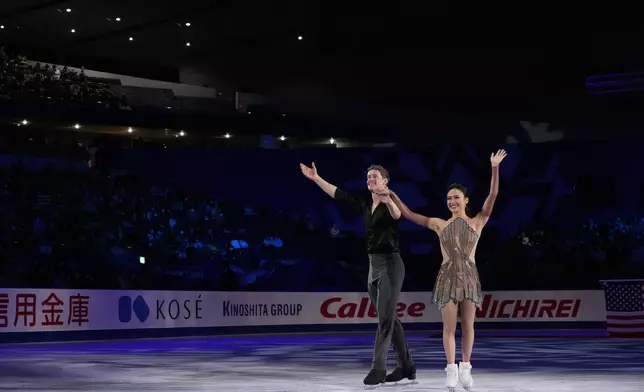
[187,43]
[25,122]
[131,38]
[77,126]
[300,38]
[282,138]
[332,141]
[182,133]
[68,10]
[118,19]
[130,130]
[188,24]
[2,27]
[227,136]
[73,30]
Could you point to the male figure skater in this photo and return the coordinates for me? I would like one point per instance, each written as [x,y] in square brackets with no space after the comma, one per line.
[386,269]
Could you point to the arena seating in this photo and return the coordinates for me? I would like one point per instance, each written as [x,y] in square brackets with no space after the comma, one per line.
[133,224]
[72,226]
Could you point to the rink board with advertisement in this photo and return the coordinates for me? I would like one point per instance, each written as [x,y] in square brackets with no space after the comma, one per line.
[51,310]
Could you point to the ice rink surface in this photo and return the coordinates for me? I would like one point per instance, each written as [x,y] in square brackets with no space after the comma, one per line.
[308,363]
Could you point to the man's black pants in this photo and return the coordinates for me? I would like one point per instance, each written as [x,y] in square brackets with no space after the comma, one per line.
[386,276]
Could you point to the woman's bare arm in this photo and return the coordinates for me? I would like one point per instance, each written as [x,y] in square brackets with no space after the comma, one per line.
[488,206]
[421,220]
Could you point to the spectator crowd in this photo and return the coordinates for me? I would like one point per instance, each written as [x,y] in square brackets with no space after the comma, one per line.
[23,82]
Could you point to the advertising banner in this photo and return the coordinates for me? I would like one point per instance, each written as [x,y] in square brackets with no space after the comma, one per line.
[40,310]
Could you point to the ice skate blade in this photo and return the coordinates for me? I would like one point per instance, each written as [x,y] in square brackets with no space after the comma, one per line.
[371,387]
[401,383]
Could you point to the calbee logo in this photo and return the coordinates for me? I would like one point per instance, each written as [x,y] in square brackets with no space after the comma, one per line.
[138,307]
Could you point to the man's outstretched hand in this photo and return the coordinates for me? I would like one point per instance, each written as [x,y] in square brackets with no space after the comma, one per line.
[309,172]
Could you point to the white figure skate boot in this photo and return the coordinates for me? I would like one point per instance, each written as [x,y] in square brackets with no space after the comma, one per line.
[451,380]
[465,375]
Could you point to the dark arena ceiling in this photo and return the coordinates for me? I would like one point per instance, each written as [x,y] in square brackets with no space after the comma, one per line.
[403,52]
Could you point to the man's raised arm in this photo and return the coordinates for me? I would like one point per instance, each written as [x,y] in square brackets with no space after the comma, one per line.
[341,196]
[312,174]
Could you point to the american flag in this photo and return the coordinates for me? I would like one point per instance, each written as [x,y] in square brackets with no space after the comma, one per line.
[624,307]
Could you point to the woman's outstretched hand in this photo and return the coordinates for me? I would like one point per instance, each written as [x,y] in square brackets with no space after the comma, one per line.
[495,159]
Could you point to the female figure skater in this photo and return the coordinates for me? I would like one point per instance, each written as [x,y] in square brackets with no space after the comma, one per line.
[458,290]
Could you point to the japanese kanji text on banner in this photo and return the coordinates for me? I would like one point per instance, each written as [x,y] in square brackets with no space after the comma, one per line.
[39,310]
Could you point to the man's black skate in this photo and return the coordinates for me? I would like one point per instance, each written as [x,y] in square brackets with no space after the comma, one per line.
[401,373]
[375,377]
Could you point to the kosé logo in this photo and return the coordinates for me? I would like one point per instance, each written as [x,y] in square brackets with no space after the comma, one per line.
[138,307]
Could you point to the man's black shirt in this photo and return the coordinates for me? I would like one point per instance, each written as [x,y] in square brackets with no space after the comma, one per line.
[381,229]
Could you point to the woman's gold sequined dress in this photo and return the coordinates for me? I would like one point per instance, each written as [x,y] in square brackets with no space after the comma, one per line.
[458,278]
